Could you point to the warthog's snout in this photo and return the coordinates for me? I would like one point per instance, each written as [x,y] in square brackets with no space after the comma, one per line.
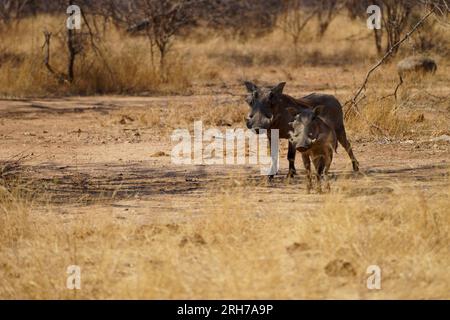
[258,123]
[248,123]
[306,146]
[301,142]
[250,126]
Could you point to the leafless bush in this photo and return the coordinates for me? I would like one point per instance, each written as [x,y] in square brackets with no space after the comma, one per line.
[163,20]
[294,19]
[397,16]
[327,11]
[429,38]
[242,17]
[12,10]
[76,42]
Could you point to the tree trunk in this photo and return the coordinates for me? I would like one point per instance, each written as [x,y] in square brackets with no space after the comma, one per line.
[162,60]
[72,51]
[378,34]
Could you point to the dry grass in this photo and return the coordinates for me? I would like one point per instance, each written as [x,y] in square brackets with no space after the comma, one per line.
[406,118]
[211,112]
[416,114]
[242,248]
[125,65]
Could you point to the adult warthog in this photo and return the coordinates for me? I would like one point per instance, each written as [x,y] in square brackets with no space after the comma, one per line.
[269,110]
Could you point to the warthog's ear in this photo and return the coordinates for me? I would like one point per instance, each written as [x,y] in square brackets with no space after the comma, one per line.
[293,111]
[319,111]
[278,89]
[251,87]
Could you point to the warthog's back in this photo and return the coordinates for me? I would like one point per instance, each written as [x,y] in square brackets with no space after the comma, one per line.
[333,114]
[416,64]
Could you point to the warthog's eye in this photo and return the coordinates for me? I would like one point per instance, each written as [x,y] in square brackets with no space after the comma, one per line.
[268,115]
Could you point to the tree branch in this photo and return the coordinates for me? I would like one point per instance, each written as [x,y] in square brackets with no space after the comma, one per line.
[61,77]
[353,102]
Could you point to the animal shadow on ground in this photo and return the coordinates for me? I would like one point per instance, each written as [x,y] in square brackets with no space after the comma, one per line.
[89,183]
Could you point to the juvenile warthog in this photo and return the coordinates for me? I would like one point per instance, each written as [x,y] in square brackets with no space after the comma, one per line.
[421,65]
[269,110]
[316,140]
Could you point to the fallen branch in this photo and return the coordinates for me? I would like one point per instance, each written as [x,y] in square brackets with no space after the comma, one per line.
[11,168]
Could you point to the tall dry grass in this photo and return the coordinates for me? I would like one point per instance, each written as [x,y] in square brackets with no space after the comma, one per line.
[242,248]
[123,64]
[419,112]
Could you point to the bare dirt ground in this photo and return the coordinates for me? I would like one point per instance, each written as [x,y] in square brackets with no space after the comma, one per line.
[74,158]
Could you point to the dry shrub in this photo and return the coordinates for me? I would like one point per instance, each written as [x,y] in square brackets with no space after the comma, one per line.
[432,37]
[120,73]
[124,64]
[121,65]
[276,50]
[379,117]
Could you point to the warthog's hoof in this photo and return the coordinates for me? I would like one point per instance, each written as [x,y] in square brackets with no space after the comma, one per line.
[355,166]
[270,179]
[291,174]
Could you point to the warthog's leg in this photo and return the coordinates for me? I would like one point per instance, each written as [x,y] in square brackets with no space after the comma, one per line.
[307,165]
[269,140]
[326,178]
[291,158]
[319,164]
[342,138]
